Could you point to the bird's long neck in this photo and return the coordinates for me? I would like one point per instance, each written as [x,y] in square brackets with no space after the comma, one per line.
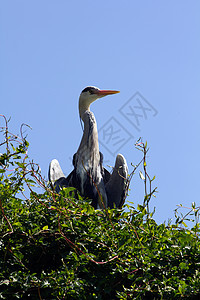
[89,140]
[84,106]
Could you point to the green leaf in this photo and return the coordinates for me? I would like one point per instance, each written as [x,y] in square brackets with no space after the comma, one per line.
[184,224]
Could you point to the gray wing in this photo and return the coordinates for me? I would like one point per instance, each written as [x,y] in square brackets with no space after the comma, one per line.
[117,184]
[56,176]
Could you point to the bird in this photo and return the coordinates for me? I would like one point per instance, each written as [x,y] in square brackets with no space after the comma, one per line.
[89,177]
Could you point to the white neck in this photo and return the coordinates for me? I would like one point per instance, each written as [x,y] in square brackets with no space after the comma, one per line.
[83,108]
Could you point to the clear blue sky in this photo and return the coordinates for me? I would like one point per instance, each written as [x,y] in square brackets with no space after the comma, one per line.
[50,50]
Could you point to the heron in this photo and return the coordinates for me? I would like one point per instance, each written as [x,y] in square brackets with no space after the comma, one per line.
[89,177]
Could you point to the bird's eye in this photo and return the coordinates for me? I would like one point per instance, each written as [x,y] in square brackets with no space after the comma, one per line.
[92,91]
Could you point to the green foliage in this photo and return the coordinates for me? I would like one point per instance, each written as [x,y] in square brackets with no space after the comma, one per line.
[58,247]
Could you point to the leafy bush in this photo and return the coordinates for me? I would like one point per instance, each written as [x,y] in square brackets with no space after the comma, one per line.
[58,247]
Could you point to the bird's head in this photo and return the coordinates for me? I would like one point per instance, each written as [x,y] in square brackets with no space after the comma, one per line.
[89,95]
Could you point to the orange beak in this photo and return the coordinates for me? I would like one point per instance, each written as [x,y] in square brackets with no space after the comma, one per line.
[103,93]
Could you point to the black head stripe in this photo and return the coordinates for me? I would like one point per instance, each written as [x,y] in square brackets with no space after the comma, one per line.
[89,89]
